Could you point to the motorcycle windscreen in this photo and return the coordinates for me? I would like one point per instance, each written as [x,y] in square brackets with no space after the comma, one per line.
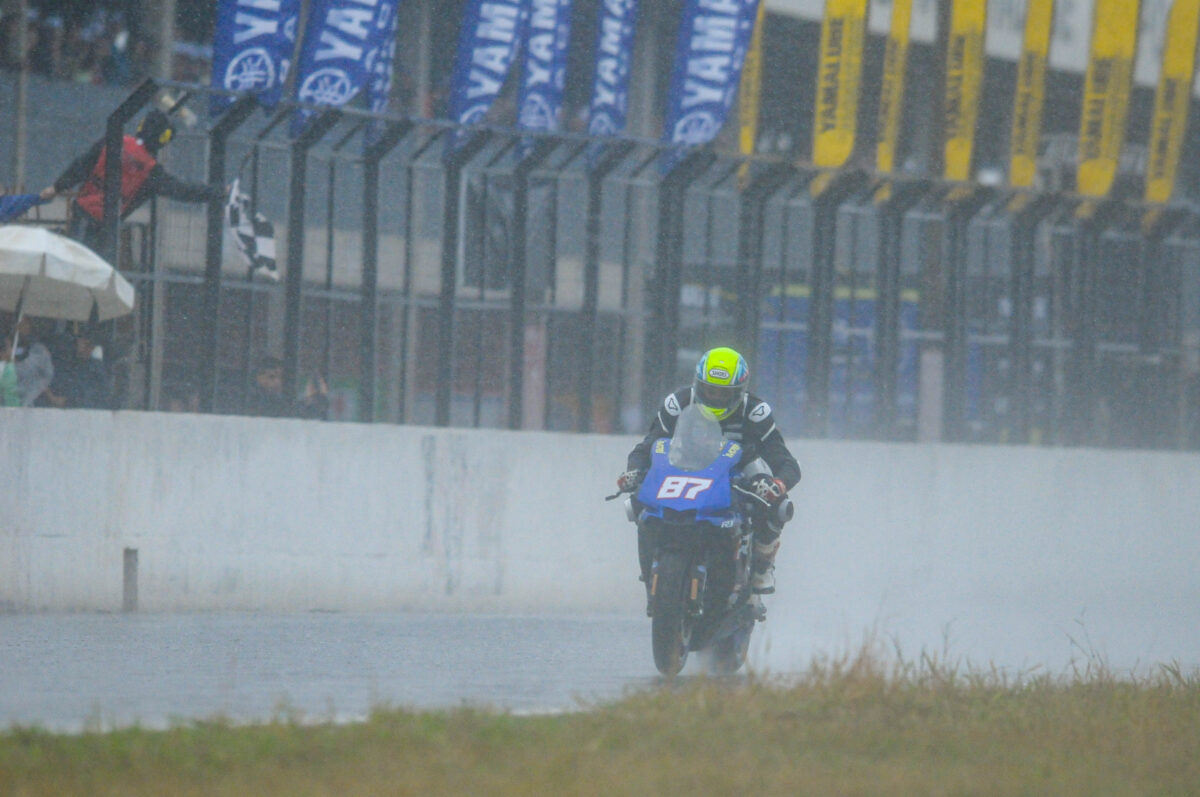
[697,440]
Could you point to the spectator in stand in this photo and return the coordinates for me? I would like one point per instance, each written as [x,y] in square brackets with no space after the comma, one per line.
[181,397]
[10,394]
[33,364]
[266,397]
[117,66]
[45,54]
[142,177]
[81,381]
[315,404]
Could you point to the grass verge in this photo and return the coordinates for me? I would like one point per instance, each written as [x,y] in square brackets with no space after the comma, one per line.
[854,725]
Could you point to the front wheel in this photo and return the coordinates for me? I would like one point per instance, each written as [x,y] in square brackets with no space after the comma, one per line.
[670,626]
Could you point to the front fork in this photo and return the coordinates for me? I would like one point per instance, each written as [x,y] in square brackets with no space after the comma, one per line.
[697,580]
[694,586]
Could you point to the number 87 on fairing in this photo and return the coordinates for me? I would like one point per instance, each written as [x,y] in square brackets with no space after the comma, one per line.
[686,487]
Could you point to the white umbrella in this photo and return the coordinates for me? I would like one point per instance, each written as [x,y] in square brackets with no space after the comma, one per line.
[50,276]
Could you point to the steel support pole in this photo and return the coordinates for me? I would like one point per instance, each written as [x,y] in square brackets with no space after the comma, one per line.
[1158,371]
[962,207]
[368,336]
[330,227]
[1091,218]
[1027,213]
[751,228]
[589,313]
[21,100]
[218,138]
[517,285]
[820,304]
[294,279]
[893,201]
[114,134]
[663,331]
[456,159]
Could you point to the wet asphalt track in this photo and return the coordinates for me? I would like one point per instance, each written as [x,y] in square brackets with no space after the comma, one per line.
[69,672]
[76,671]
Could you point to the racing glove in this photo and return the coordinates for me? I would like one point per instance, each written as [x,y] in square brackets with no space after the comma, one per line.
[762,488]
[630,480]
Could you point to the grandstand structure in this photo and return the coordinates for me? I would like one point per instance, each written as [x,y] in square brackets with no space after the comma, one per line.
[570,289]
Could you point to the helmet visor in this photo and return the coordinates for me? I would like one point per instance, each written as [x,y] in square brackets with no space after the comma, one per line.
[718,397]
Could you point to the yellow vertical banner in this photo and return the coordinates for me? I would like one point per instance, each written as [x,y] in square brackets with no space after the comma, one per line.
[964,75]
[1106,94]
[891,93]
[1171,99]
[1030,94]
[750,90]
[839,73]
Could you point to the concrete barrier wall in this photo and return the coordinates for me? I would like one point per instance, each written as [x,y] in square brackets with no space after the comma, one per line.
[240,513]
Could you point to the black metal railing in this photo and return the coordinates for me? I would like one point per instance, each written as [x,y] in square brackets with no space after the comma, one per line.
[492,278]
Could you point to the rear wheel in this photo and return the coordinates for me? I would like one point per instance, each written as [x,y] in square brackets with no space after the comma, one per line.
[670,626]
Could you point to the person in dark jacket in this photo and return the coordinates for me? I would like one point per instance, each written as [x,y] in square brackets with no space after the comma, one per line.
[81,380]
[720,387]
[142,177]
[266,398]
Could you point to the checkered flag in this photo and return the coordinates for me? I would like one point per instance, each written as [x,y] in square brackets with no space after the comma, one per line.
[254,233]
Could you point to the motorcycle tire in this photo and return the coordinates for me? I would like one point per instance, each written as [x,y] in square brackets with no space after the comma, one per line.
[670,626]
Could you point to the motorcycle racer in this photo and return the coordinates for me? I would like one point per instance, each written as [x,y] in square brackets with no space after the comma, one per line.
[720,387]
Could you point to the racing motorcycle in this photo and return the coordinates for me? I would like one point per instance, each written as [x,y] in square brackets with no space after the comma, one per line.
[696,532]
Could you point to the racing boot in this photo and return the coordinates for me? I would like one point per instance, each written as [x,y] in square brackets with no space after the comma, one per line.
[762,567]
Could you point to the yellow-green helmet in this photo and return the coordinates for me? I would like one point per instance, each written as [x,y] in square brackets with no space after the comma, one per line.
[721,379]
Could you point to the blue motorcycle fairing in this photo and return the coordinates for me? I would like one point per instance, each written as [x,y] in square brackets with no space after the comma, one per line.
[707,491]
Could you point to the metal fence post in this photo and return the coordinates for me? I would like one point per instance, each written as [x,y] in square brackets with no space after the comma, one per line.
[893,200]
[517,286]
[1090,220]
[1027,212]
[368,336]
[962,204]
[218,137]
[455,160]
[751,226]
[663,331]
[114,135]
[603,166]
[818,367]
[294,279]
[1158,372]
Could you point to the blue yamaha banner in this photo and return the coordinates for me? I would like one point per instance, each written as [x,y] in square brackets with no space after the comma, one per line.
[487,44]
[380,62]
[714,36]
[543,75]
[252,48]
[333,64]
[614,54]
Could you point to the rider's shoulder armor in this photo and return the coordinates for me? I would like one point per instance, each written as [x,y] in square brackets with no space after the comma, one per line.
[674,403]
[754,422]
[758,412]
[672,406]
